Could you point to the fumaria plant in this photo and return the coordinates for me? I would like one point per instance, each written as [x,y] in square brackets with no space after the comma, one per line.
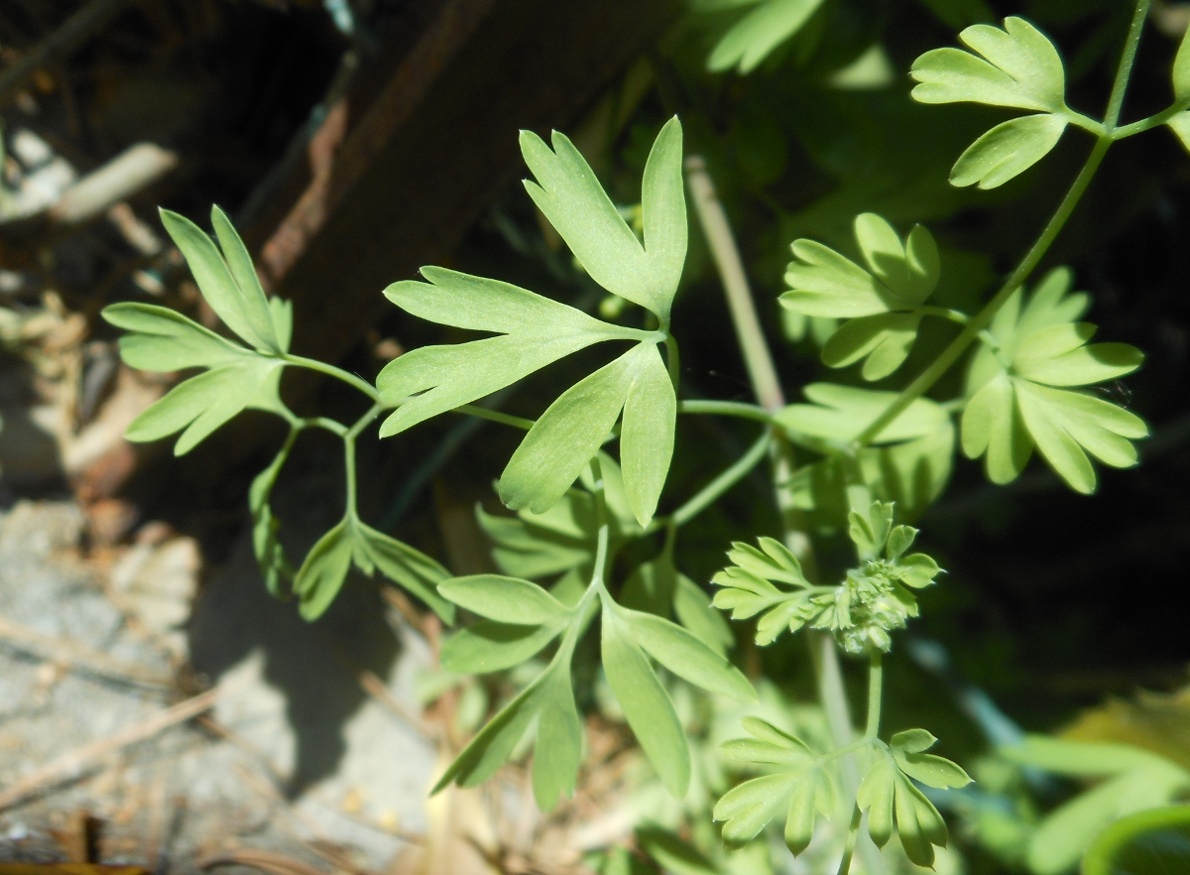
[589,477]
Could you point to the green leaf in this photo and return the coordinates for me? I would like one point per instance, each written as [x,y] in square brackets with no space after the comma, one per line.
[199,405]
[646,705]
[841,413]
[489,646]
[884,339]
[505,599]
[431,380]
[253,303]
[1019,68]
[559,748]
[1081,759]
[934,771]
[890,797]
[571,430]
[225,284]
[533,546]
[762,29]
[571,198]
[1153,842]
[322,573]
[1065,834]
[160,339]
[1056,356]
[404,566]
[1066,425]
[493,745]
[1007,150]
[673,854]
[991,425]
[685,655]
[1180,73]
[693,609]
[811,796]
[900,275]
[1180,125]
[647,432]
[274,565]
[751,806]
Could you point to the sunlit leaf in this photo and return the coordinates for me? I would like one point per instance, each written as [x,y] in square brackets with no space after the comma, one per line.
[559,747]
[884,339]
[647,432]
[201,404]
[751,806]
[1008,150]
[686,656]
[403,565]
[160,339]
[908,749]
[645,702]
[568,193]
[489,646]
[1019,68]
[226,279]
[505,599]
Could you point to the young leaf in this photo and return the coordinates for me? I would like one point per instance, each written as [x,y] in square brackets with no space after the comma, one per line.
[758,33]
[1020,68]
[505,599]
[571,198]
[1007,150]
[1019,395]
[812,796]
[646,705]
[934,771]
[883,339]
[751,806]
[890,797]
[227,280]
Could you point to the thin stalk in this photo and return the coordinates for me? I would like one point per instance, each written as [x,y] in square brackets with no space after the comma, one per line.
[927,378]
[495,416]
[603,534]
[331,371]
[728,478]
[852,835]
[739,409]
[762,373]
[875,692]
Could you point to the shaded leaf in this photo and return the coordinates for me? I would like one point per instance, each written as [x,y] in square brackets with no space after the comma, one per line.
[559,747]
[403,565]
[841,413]
[325,568]
[758,32]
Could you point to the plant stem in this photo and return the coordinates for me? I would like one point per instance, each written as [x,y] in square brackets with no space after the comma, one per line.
[726,408]
[728,478]
[852,835]
[875,692]
[1037,251]
[495,416]
[332,371]
[602,537]
[762,373]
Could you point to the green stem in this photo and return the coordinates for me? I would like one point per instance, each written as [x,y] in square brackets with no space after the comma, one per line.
[495,416]
[950,315]
[1028,264]
[875,692]
[739,409]
[728,478]
[852,835]
[603,536]
[332,371]
[761,371]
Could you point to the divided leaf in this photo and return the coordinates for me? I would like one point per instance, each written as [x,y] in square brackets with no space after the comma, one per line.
[571,430]
[1026,396]
[890,798]
[571,198]
[505,600]
[1019,68]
